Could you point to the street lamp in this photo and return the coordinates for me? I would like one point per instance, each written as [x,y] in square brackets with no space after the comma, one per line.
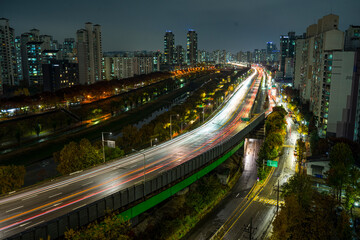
[151,141]
[134,150]
[171,124]
[102,139]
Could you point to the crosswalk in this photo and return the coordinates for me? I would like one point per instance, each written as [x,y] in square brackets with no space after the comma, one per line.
[267,200]
[289,146]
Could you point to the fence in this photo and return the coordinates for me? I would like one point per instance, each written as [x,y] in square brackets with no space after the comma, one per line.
[173,180]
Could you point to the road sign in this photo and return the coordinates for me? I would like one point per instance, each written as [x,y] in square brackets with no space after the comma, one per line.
[110,144]
[272,163]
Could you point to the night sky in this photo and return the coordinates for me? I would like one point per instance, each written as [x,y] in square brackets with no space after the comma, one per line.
[233,25]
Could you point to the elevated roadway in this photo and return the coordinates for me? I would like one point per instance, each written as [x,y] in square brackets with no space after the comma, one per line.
[26,209]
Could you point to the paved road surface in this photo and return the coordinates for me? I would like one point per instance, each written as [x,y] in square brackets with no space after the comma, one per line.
[23,210]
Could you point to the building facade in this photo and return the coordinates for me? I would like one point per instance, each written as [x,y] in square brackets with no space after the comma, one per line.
[60,74]
[89,53]
[287,50]
[328,78]
[7,54]
[169,48]
[191,47]
[180,55]
[125,67]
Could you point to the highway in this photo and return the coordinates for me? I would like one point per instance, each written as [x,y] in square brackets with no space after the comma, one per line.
[25,209]
[247,202]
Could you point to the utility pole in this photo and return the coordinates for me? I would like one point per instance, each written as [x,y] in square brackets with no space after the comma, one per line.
[277,189]
[249,229]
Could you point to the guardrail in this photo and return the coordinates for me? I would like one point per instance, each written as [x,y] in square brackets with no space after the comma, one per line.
[182,176]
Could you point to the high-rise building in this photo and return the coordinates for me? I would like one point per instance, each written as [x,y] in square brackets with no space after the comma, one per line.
[249,57]
[156,56]
[169,48]
[34,63]
[287,50]
[191,47]
[31,60]
[259,55]
[116,67]
[179,55]
[328,78]
[239,56]
[18,59]
[142,65]
[352,38]
[49,55]
[89,52]
[271,52]
[59,74]
[7,54]
[68,50]
[47,42]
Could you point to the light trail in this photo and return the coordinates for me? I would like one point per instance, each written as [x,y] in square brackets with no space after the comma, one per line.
[222,118]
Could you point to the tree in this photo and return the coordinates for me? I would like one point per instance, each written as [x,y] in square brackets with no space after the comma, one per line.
[160,131]
[308,214]
[130,139]
[341,160]
[69,159]
[303,129]
[37,129]
[314,139]
[74,157]
[301,150]
[11,178]
[299,186]
[352,188]
[112,153]
[113,227]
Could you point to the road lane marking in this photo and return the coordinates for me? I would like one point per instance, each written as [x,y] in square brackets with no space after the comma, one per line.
[248,202]
[29,197]
[79,206]
[34,224]
[21,225]
[14,209]
[87,183]
[55,195]
[57,204]
[231,126]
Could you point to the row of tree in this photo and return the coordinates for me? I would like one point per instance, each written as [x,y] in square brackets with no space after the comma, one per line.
[85,93]
[184,116]
[275,129]
[77,156]
[80,92]
[57,120]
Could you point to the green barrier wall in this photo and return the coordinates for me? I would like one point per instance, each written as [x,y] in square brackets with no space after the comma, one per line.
[151,202]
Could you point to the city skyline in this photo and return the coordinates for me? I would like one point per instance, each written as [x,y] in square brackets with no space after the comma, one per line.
[228,25]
